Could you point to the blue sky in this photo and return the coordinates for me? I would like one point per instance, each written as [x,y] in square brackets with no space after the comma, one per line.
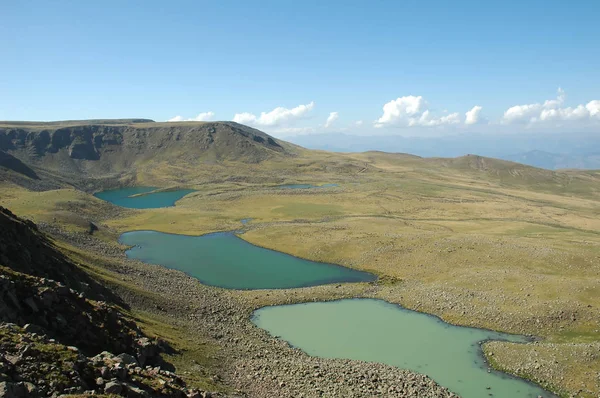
[395,67]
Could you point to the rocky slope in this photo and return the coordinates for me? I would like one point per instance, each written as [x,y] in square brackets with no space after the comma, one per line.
[24,249]
[56,339]
[9,162]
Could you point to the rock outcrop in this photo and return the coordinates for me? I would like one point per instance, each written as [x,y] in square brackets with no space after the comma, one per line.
[112,146]
[33,365]
[55,339]
[96,154]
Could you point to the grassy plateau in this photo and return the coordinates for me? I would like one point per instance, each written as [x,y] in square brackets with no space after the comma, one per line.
[477,241]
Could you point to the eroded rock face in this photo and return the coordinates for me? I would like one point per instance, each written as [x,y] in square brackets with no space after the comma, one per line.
[43,156]
[226,140]
[79,141]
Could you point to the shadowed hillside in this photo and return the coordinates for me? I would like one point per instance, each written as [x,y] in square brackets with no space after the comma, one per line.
[24,249]
[11,163]
[55,338]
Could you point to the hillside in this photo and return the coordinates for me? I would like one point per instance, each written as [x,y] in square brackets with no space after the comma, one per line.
[109,149]
[503,170]
[547,150]
[56,339]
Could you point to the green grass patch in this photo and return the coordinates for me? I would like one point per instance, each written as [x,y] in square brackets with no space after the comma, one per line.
[576,336]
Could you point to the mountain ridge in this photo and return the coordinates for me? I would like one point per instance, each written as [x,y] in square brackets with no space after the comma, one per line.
[568,150]
[81,122]
[117,152]
[113,148]
[557,161]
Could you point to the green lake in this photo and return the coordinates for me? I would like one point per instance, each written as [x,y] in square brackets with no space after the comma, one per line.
[377,331]
[362,329]
[224,260]
[142,197]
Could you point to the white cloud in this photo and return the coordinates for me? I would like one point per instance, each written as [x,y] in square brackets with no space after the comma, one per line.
[401,110]
[532,112]
[472,116]
[333,116]
[453,118]
[593,108]
[202,117]
[244,118]
[554,103]
[359,123]
[412,111]
[521,113]
[551,110]
[578,113]
[276,117]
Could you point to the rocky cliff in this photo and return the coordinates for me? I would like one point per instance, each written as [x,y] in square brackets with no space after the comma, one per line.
[42,156]
[120,145]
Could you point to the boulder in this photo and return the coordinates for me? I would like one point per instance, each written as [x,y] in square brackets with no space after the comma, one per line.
[127,359]
[136,392]
[12,390]
[113,387]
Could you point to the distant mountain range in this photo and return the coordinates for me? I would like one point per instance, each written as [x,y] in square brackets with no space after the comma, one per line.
[554,161]
[550,151]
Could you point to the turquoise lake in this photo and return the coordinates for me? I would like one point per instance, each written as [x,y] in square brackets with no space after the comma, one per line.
[362,329]
[142,197]
[377,331]
[224,260]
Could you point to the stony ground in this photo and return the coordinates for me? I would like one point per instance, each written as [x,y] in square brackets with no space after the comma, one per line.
[59,336]
[33,365]
[250,360]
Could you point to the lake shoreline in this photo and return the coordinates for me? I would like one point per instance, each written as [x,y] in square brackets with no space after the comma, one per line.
[487,365]
[366,277]
[241,339]
[132,197]
[250,359]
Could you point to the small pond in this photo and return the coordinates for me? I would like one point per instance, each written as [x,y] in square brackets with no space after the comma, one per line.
[142,197]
